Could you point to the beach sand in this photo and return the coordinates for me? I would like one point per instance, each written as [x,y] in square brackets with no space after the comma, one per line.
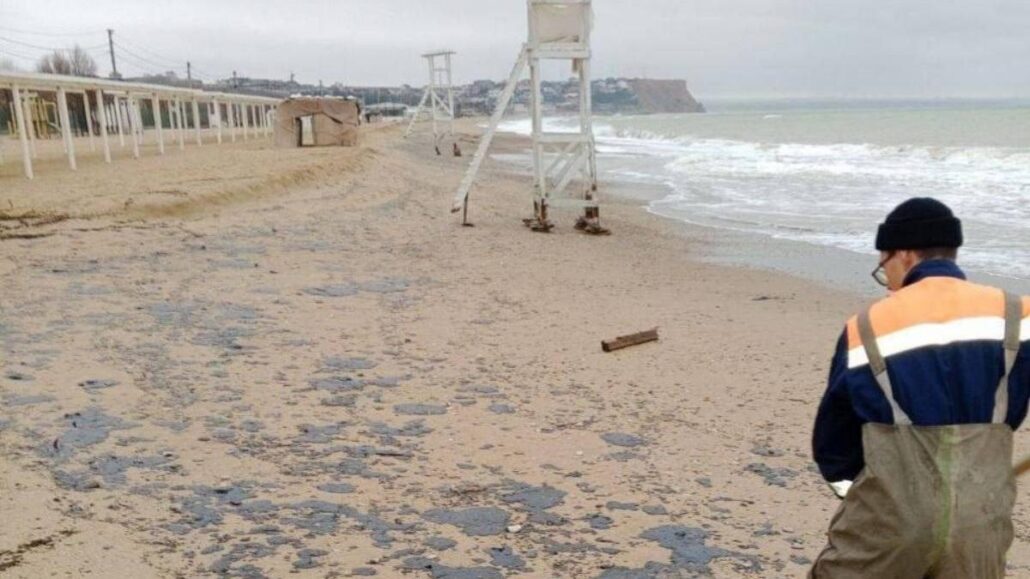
[300,364]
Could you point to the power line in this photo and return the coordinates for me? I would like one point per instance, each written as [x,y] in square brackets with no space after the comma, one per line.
[47,48]
[54,34]
[27,44]
[155,55]
[125,51]
[142,65]
[159,59]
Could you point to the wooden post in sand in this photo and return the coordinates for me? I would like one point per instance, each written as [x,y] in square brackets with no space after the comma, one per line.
[19,114]
[66,127]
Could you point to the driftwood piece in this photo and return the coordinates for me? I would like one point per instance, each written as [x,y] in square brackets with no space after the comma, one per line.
[630,340]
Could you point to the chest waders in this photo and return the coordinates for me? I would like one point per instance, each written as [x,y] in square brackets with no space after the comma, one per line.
[932,501]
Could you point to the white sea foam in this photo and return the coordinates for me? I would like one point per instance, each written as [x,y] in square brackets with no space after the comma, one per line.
[823,193]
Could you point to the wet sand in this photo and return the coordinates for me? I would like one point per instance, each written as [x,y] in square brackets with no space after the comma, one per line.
[326,376]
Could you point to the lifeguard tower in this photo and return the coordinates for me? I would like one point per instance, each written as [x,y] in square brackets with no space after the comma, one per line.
[438,100]
[564,164]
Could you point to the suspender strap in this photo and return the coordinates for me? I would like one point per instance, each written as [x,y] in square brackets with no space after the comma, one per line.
[1013,319]
[879,367]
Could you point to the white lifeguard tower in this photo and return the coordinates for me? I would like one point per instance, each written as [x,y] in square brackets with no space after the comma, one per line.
[564,164]
[438,100]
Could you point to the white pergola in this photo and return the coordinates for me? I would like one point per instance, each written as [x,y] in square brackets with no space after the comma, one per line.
[564,164]
[115,107]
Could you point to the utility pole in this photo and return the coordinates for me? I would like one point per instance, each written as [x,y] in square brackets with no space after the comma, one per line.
[320,91]
[189,74]
[235,83]
[110,48]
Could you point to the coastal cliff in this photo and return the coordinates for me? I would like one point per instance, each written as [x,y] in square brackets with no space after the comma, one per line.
[665,96]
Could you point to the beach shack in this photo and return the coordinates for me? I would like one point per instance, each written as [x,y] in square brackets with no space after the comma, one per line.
[317,122]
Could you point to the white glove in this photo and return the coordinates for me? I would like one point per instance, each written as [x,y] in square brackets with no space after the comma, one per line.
[840,488]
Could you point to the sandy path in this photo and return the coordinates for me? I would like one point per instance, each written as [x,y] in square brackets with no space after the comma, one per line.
[337,380]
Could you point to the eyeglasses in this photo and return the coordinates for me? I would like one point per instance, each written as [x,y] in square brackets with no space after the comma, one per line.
[880,273]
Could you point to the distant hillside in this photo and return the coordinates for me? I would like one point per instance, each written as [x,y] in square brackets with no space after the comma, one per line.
[664,96]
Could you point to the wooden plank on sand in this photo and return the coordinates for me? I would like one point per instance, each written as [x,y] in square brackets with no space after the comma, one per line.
[630,340]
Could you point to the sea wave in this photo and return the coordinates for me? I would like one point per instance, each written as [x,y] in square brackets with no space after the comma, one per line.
[823,193]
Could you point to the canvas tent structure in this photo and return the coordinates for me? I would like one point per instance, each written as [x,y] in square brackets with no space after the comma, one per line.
[319,122]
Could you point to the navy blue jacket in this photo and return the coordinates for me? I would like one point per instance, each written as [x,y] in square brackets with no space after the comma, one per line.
[942,344]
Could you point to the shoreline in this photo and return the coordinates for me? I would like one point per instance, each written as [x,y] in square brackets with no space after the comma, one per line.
[830,266]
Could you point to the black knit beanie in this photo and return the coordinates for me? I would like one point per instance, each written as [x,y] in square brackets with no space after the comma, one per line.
[919,223]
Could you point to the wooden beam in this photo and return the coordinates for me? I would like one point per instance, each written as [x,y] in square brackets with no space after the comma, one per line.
[630,340]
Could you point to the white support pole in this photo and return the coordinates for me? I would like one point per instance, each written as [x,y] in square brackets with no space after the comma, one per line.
[138,109]
[196,123]
[173,118]
[102,113]
[232,119]
[89,121]
[450,95]
[66,127]
[538,124]
[246,121]
[181,123]
[267,118]
[462,196]
[23,136]
[218,120]
[130,106]
[433,101]
[155,104]
[118,117]
[418,111]
[27,111]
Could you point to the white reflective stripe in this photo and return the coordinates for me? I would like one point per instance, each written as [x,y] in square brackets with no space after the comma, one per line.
[962,330]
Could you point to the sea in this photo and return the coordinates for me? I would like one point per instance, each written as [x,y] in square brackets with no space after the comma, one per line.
[827,172]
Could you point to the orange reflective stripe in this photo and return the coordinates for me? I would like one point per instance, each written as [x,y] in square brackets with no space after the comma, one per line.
[932,301]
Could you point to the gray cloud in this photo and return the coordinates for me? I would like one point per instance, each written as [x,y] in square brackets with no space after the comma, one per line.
[759,48]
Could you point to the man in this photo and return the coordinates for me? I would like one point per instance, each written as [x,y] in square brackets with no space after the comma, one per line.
[915,429]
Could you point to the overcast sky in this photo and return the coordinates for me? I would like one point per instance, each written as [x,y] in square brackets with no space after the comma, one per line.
[725,48]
